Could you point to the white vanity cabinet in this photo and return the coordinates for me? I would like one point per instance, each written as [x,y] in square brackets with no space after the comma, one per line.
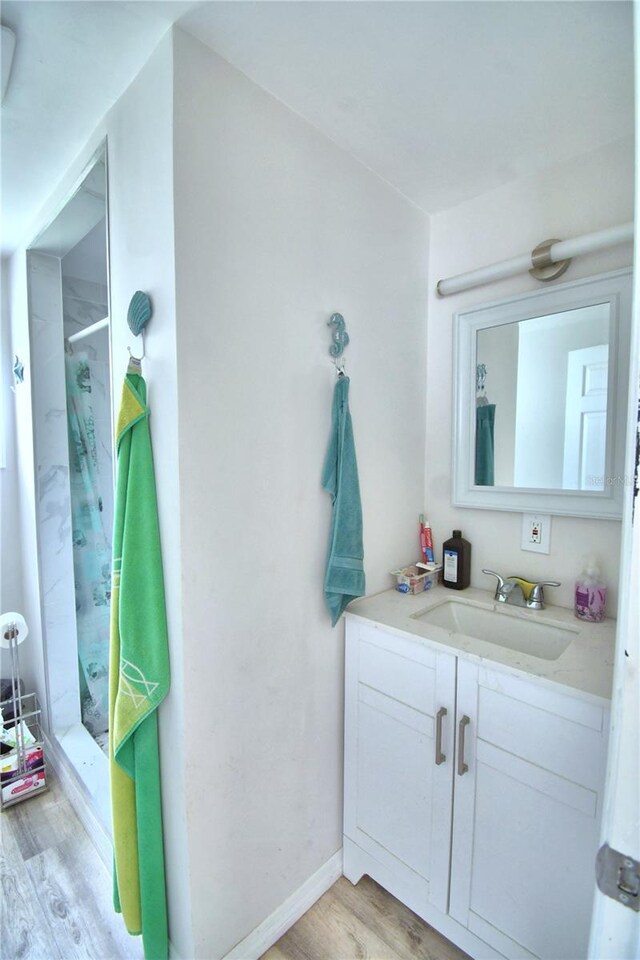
[526,814]
[397,797]
[494,845]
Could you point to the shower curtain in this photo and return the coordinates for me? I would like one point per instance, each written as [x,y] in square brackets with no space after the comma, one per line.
[485,422]
[91,548]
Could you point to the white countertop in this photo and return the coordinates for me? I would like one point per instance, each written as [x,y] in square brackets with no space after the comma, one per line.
[586,664]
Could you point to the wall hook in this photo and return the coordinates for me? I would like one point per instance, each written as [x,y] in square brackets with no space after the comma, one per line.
[138,359]
[18,370]
[339,336]
[138,316]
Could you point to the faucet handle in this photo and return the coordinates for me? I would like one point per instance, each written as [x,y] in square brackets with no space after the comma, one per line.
[536,597]
[498,595]
[492,573]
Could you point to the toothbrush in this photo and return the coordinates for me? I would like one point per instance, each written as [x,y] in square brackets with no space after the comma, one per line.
[423,537]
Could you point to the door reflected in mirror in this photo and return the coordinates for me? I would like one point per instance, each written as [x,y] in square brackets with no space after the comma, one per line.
[541,401]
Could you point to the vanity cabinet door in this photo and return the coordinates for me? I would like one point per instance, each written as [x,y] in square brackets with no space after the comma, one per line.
[526,814]
[397,798]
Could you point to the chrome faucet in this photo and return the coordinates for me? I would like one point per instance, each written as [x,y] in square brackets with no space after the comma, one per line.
[521,592]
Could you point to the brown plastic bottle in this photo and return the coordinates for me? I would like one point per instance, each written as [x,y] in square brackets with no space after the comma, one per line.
[456,558]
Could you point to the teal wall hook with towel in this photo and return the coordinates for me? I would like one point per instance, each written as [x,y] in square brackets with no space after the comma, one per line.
[344,574]
[138,316]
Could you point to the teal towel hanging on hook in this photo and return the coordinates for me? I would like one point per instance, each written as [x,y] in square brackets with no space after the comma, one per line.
[344,572]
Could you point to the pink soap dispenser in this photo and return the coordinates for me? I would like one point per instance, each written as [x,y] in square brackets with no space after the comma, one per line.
[591,593]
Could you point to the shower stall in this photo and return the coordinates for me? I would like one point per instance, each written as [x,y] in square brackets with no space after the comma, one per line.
[68,284]
[87,376]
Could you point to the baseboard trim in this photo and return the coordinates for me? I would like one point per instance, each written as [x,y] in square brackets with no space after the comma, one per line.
[80,801]
[271,929]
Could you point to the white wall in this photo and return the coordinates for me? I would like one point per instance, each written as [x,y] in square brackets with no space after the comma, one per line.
[277,228]
[11,594]
[140,170]
[21,498]
[586,194]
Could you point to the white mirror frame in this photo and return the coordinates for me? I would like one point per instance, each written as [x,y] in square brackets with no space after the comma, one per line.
[613,288]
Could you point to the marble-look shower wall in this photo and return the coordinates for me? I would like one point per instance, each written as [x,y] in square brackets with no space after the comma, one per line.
[52,489]
[85,302]
[99,372]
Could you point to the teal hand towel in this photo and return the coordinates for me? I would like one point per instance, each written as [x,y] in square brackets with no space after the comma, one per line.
[344,577]
[485,420]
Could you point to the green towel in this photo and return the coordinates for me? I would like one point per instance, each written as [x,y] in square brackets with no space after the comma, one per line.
[344,577]
[138,680]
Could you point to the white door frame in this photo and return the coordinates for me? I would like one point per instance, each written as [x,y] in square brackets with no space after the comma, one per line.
[615,929]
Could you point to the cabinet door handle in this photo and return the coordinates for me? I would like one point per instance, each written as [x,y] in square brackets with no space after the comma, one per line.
[462,766]
[440,757]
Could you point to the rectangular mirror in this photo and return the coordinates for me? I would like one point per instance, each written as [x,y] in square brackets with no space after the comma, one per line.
[540,385]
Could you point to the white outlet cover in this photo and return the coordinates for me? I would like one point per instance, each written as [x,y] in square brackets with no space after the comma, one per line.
[542,523]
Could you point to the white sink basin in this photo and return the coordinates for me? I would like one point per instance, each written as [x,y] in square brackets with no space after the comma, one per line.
[516,632]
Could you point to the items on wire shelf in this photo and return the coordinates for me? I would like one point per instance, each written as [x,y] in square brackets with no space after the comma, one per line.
[22,763]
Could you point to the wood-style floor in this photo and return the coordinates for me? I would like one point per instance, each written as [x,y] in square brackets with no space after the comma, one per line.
[55,891]
[56,902]
[361,923]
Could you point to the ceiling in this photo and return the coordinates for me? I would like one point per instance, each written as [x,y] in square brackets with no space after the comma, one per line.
[73,60]
[444,100]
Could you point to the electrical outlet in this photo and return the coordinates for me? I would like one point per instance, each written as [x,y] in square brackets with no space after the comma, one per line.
[536,532]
